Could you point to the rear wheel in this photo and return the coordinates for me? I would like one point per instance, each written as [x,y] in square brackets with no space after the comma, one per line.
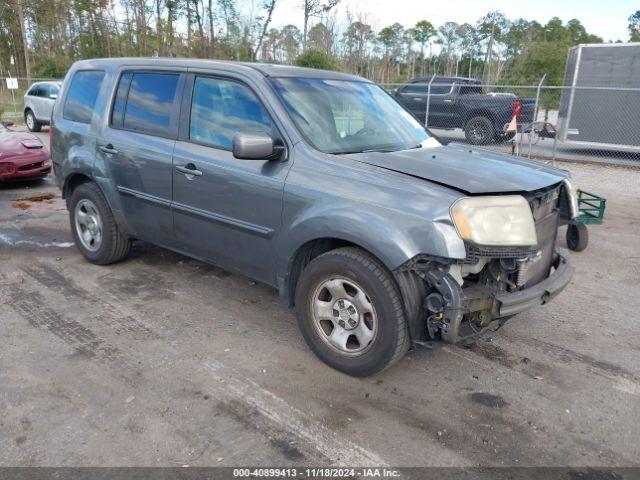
[32,122]
[350,312]
[479,130]
[94,229]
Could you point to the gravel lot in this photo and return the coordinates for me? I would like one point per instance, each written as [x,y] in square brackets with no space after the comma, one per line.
[163,360]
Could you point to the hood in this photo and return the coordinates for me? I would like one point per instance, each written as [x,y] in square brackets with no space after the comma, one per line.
[18,142]
[472,171]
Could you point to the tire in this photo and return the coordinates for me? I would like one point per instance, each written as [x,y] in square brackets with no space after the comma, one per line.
[378,313]
[479,130]
[577,237]
[89,213]
[32,122]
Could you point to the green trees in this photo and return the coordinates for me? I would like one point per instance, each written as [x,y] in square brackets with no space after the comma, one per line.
[42,39]
[634,27]
[316,59]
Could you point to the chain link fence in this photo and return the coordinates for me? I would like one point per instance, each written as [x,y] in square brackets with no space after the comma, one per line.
[575,123]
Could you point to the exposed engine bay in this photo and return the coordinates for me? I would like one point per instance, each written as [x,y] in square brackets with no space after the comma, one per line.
[464,299]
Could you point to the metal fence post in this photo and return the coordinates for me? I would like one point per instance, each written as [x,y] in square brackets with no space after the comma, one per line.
[426,113]
[535,113]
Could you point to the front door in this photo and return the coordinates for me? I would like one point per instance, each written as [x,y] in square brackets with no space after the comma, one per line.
[226,211]
[414,98]
[136,150]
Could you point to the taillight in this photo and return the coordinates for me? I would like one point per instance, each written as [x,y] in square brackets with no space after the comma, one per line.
[517,106]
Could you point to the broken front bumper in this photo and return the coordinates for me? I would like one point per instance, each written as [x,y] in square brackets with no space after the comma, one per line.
[538,294]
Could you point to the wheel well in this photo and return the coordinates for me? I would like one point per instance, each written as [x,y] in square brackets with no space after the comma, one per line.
[305,254]
[72,182]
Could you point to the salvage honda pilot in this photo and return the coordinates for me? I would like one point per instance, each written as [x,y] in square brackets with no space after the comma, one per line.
[317,183]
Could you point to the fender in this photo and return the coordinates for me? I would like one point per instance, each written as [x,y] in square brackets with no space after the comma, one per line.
[393,239]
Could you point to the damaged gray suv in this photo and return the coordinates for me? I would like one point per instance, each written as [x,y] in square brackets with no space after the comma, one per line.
[317,183]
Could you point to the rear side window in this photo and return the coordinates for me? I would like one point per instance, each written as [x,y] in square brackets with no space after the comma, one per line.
[221,108]
[146,103]
[415,88]
[82,95]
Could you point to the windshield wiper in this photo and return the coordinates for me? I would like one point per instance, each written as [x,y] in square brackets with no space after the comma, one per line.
[378,150]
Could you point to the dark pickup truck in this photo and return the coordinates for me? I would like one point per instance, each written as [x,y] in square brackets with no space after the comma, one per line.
[456,102]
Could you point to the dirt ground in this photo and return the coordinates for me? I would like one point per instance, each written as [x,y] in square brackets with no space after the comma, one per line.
[163,360]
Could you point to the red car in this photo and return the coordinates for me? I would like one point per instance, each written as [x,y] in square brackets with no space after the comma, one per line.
[22,155]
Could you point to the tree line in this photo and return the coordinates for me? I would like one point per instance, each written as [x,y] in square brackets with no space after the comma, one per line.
[42,39]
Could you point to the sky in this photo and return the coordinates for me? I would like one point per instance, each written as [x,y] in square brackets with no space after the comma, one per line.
[605,19]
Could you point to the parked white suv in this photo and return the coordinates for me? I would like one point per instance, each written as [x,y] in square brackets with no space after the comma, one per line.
[38,104]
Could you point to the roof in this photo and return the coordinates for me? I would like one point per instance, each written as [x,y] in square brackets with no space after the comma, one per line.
[440,78]
[273,70]
[265,69]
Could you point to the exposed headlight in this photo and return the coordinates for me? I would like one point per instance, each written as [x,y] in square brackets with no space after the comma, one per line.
[573,197]
[498,221]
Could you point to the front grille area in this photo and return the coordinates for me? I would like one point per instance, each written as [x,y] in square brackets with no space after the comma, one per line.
[30,166]
[537,269]
[474,252]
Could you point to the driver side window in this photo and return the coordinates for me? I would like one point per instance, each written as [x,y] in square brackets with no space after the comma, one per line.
[221,108]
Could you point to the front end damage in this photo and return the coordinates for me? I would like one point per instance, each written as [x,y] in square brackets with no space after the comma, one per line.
[459,300]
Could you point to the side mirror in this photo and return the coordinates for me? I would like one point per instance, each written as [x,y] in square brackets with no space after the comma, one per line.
[53,96]
[256,146]
[7,123]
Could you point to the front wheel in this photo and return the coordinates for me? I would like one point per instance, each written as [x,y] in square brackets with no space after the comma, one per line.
[479,130]
[350,312]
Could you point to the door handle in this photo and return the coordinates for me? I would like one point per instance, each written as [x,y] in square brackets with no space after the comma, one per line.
[448,100]
[189,169]
[417,99]
[108,148]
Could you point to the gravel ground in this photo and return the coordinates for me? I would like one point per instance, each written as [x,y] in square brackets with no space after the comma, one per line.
[163,360]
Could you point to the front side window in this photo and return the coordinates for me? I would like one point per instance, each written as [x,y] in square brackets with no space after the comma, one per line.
[83,92]
[221,108]
[441,88]
[150,103]
[338,116]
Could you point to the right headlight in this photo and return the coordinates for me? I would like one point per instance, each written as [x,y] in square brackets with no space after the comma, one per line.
[504,220]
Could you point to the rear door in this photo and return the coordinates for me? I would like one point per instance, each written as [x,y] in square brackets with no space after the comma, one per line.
[136,145]
[228,211]
[38,101]
[442,104]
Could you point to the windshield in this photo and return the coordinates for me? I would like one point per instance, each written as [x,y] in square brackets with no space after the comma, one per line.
[338,116]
